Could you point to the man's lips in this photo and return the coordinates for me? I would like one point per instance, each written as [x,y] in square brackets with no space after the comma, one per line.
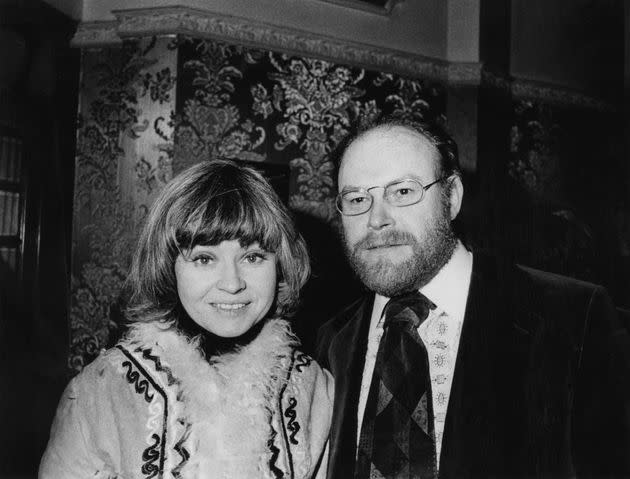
[383,246]
[392,239]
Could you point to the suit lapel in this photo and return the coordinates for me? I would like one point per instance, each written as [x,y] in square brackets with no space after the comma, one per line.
[347,359]
[480,415]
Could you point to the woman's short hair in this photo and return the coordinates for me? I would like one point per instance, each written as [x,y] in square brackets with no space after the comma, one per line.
[211,202]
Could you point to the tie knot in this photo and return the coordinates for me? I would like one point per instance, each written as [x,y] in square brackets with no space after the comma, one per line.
[409,308]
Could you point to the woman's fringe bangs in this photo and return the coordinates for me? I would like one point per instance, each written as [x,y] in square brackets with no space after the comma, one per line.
[230,216]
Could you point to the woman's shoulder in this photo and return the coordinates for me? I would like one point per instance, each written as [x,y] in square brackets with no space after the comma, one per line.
[103,367]
[96,387]
[306,373]
[130,361]
[306,412]
[304,363]
[107,370]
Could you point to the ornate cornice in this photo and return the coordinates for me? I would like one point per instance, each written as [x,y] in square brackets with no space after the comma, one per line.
[203,24]
[497,81]
[136,23]
[258,34]
[464,73]
[96,34]
[366,6]
[557,95]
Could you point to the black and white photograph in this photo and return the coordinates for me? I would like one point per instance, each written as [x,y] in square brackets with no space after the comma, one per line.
[315,239]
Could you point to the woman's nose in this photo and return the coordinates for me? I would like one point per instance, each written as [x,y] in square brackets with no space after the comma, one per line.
[231,279]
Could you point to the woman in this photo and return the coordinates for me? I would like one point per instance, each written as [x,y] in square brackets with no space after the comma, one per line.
[208,382]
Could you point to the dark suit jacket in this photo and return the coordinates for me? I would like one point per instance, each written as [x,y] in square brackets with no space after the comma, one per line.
[540,387]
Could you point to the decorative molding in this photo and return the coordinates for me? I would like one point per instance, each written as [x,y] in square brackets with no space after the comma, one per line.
[96,34]
[464,73]
[160,21]
[157,21]
[366,6]
[135,23]
[557,95]
[521,89]
[497,81]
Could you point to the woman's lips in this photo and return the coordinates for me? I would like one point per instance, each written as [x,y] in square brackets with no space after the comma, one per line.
[229,306]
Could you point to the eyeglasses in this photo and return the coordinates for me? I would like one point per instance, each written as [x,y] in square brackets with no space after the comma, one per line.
[405,192]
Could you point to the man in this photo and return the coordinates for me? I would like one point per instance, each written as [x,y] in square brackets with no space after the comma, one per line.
[456,364]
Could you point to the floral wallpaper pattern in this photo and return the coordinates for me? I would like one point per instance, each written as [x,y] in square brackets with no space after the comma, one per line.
[257,105]
[124,156]
[158,105]
[534,146]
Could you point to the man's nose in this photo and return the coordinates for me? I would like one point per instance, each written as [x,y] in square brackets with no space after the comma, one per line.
[380,216]
[231,279]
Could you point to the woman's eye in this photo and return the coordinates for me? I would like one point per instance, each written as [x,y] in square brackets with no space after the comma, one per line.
[202,259]
[254,258]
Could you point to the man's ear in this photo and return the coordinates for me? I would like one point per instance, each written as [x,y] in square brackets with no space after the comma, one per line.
[456,195]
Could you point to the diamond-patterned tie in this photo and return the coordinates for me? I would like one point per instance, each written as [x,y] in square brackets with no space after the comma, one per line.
[397,437]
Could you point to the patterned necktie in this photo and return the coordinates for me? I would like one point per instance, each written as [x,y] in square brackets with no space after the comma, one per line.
[397,435]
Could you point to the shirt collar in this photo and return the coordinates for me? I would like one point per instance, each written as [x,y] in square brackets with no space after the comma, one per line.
[448,289]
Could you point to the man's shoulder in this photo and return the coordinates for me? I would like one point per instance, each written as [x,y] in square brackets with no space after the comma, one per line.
[333,326]
[534,289]
[341,317]
[503,269]
[565,293]
[555,282]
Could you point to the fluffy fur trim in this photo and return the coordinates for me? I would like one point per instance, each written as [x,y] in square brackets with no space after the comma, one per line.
[229,400]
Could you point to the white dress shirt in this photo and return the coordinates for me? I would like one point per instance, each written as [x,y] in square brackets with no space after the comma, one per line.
[440,333]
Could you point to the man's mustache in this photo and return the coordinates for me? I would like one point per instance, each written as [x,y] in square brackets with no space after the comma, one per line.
[389,238]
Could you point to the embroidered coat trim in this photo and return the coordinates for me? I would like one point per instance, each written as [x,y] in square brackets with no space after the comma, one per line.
[153,406]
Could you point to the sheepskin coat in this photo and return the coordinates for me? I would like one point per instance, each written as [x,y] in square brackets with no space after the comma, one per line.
[153,406]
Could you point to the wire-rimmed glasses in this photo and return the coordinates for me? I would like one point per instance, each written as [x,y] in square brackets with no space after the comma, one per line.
[405,192]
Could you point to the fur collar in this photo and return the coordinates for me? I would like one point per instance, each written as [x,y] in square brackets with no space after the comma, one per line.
[228,401]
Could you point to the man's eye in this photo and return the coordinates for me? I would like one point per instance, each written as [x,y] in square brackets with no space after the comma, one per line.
[405,189]
[355,199]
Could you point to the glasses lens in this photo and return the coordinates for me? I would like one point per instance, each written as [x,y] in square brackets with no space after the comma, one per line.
[403,193]
[354,202]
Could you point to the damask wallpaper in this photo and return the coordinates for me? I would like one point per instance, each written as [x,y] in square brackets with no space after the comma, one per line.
[155,106]
[152,108]
[124,157]
[260,105]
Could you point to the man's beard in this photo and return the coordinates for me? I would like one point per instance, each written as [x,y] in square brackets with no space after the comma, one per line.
[429,255]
